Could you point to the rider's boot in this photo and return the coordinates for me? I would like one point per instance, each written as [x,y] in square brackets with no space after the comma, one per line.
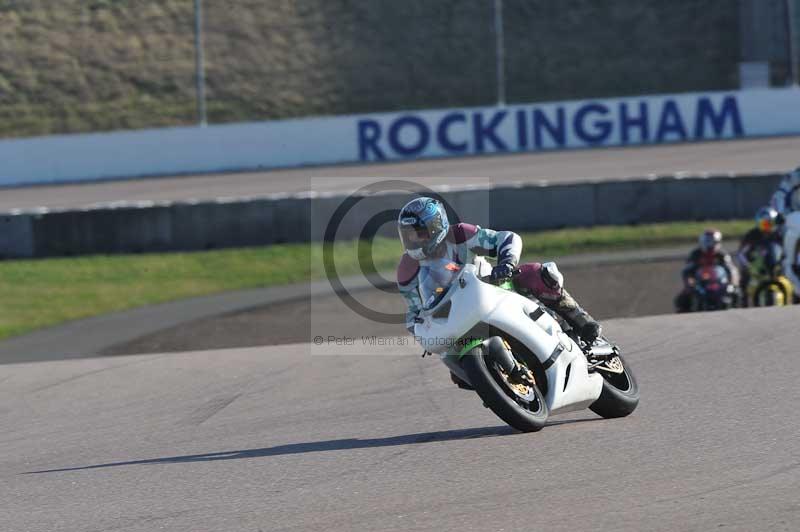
[587,327]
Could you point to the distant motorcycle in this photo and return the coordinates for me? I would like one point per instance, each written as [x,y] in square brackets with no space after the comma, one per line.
[514,353]
[712,289]
[768,286]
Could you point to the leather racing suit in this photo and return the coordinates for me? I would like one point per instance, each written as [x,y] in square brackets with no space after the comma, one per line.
[786,200]
[464,242]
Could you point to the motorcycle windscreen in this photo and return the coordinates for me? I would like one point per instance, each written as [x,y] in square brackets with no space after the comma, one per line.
[435,279]
[712,277]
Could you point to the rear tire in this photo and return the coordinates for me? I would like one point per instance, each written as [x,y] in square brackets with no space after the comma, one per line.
[525,416]
[620,395]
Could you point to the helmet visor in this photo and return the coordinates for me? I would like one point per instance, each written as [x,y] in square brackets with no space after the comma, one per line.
[711,240]
[420,234]
[414,236]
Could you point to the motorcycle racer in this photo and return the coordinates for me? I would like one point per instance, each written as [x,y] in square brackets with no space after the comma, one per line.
[426,235]
[766,232]
[708,253]
[786,200]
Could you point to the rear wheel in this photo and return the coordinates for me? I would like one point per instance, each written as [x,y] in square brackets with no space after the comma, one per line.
[520,405]
[620,394]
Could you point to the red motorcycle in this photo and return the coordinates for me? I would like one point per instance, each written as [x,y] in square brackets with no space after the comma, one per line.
[712,289]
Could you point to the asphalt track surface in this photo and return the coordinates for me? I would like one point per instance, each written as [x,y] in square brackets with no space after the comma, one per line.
[275,439]
[297,437]
[778,154]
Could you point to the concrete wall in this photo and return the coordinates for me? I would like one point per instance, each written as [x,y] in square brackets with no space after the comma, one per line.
[650,120]
[262,221]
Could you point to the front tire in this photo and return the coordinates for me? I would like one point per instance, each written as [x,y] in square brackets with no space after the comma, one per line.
[526,412]
[620,395]
[770,295]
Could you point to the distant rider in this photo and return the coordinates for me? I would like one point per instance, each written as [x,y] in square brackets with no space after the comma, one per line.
[427,235]
[765,233]
[708,253]
[786,200]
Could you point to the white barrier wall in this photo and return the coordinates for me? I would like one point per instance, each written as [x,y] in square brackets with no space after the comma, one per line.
[398,136]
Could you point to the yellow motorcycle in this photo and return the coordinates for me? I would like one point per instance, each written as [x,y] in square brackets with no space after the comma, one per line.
[768,287]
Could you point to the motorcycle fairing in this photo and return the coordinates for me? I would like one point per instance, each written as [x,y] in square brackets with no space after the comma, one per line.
[570,385]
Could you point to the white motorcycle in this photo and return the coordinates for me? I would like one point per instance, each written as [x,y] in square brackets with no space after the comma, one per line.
[513,351]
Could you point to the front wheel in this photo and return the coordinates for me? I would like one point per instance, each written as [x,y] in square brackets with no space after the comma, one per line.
[771,294]
[620,394]
[520,405]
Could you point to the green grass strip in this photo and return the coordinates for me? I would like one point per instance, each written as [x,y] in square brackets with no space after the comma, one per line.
[44,292]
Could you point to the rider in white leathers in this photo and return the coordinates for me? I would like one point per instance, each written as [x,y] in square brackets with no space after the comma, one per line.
[428,237]
[786,200]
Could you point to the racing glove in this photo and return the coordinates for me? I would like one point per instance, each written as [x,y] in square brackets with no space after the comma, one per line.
[502,271]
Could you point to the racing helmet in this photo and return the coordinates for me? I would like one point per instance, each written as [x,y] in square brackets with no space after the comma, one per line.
[422,226]
[767,220]
[710,240]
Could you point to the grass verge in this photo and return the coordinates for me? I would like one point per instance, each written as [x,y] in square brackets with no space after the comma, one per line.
[39,293]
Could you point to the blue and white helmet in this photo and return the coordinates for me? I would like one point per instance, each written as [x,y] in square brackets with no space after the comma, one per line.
[767,220]
[422,225]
